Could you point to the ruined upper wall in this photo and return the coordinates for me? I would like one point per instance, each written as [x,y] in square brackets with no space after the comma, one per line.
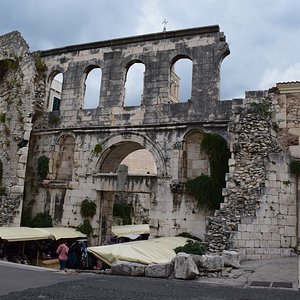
[18,98]
[205,47]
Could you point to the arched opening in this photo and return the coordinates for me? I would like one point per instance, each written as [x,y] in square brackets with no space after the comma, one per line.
[137,163]
[55,92]
[181,80]
[195,163]
[92,87]
[65,160]
[134,84]
[130,162]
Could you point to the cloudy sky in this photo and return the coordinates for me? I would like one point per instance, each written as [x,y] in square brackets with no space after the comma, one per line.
[263,35]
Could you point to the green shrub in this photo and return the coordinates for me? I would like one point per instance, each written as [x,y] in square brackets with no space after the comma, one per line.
[43,167]
[124,212]
[42,220]
[88,208]
[295,167]
[40,65]
[2,117]
[191,247]
[1,172]
[2,190]
[85,228]
[98,149]
[189,236]
[205,192]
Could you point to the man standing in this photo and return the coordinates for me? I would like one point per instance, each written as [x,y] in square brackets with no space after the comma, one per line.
[62,252]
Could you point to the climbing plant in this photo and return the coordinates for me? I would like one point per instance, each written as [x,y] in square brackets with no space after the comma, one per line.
[85,228]
[207,190]
[43,167]
[42,220]
[88,208]
[192,247]
[2,188]
[98,149]
[124,212]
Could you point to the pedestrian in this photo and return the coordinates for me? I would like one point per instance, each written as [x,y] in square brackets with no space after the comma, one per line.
[62,252]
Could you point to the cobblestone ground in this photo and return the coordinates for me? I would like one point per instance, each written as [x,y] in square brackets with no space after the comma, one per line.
[118,287]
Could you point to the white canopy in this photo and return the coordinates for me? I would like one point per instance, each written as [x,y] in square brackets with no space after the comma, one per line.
[15,234]
[159,250]
[130,231]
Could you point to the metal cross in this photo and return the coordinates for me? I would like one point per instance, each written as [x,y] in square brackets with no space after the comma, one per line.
[165,22]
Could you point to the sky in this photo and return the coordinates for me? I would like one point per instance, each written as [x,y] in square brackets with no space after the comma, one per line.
[263,35]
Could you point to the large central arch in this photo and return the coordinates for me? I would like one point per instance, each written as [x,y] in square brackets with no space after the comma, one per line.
[118,146]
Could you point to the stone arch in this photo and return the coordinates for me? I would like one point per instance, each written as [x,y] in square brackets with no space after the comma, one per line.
[194,162]
[180,88]
[134,82]
[91,103]
[65,157]
[128,142]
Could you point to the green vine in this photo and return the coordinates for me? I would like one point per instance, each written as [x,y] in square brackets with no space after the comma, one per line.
[85,228]
[40,66]
[98,149]
[43,167]
[124,212]
[207,190]
[88,208]
[260,108]
[295,167]
[41,220]
[2,117]
[192,247]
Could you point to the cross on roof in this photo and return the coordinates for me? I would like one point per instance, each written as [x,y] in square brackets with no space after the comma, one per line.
[165,22]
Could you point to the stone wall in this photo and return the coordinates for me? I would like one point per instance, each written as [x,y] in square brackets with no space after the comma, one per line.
[259,212]
[20,88]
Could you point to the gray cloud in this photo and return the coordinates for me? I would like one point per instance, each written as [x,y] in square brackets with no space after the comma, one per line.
[263,34]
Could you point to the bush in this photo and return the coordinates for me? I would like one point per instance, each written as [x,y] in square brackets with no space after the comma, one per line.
[42,220]
[85,228]
[123,211]
[43,167]
[88,208]
[295,167]
[191,247]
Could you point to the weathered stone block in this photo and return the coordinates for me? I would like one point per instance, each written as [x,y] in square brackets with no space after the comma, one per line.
[127,268]
[159,270]
[211,263]
[184,267]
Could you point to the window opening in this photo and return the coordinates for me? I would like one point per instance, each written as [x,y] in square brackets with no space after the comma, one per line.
[92,88]
[181,80]
[134,85]
[55,92]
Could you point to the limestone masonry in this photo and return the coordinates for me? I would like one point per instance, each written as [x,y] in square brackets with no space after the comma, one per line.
[93,153]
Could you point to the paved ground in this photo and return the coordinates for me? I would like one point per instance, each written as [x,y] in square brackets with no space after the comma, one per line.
[279,273]
[24,283]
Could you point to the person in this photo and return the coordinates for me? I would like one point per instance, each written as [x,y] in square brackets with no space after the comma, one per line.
[62,252]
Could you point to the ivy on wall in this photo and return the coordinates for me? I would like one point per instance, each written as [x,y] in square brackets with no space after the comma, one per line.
[207,190]
[43,167]
[124,212]
[2,188]
[88,208]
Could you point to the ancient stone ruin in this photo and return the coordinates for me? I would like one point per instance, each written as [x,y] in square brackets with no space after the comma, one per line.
[56,153]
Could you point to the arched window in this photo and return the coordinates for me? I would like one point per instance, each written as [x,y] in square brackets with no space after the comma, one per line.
[55,92]
[181,80]
[195,163]
[92,87]
[65,161]
[134,84]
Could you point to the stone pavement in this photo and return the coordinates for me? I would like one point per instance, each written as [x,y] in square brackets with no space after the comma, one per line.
[270,273]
